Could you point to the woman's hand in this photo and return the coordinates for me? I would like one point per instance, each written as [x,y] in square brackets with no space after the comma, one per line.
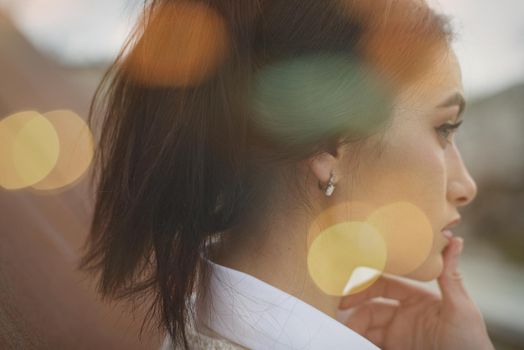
[417,319]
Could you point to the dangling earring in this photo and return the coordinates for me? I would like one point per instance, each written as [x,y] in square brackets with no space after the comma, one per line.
[330,187]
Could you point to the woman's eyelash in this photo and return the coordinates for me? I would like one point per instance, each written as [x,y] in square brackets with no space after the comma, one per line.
[447,128]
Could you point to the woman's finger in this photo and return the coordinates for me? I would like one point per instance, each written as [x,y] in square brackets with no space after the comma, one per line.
[372,314]
[376,336]
[387,287]
[450,280]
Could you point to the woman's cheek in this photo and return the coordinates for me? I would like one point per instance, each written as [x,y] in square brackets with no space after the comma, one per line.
[423,185]
[432,200]
[406,188]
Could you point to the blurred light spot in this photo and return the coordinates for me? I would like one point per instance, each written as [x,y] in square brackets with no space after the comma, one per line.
[350,244]
[343,250]
[311,97]
[408,234]
[76,150]
[183,44]
[29,149]
[339,213]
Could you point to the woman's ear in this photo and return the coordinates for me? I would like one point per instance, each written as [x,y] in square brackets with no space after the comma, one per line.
[322,165]
[330,161]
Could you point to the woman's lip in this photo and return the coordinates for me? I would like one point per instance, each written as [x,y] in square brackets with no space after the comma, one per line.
[452,223]
[447,233]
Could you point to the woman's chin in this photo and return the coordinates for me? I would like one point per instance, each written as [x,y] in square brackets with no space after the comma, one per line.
[429,270]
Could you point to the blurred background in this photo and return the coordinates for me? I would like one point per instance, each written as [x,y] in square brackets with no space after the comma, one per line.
[52,55]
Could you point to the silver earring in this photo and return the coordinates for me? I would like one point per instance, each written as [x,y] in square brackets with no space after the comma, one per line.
[330,187]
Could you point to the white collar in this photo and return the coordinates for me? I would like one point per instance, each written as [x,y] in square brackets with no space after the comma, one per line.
[257,315]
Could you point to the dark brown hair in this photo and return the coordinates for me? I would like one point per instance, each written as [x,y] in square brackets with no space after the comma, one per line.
[180,160]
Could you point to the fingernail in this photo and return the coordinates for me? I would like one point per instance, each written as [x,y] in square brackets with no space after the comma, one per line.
[460,245]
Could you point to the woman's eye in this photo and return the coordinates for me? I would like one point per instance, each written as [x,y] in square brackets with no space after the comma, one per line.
[447,129]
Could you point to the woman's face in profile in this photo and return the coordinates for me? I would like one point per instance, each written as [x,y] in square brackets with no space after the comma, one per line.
[419,164]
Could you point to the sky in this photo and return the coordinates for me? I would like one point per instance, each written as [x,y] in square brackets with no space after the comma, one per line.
[490,42]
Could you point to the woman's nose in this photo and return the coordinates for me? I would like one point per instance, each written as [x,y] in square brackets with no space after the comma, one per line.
[462,188]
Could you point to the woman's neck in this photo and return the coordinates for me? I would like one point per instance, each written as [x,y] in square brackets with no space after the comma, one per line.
[276,255]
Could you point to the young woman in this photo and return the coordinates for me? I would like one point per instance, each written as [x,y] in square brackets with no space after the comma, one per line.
[265,164]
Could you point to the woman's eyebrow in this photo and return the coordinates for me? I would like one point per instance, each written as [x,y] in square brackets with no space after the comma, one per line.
[455,99]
